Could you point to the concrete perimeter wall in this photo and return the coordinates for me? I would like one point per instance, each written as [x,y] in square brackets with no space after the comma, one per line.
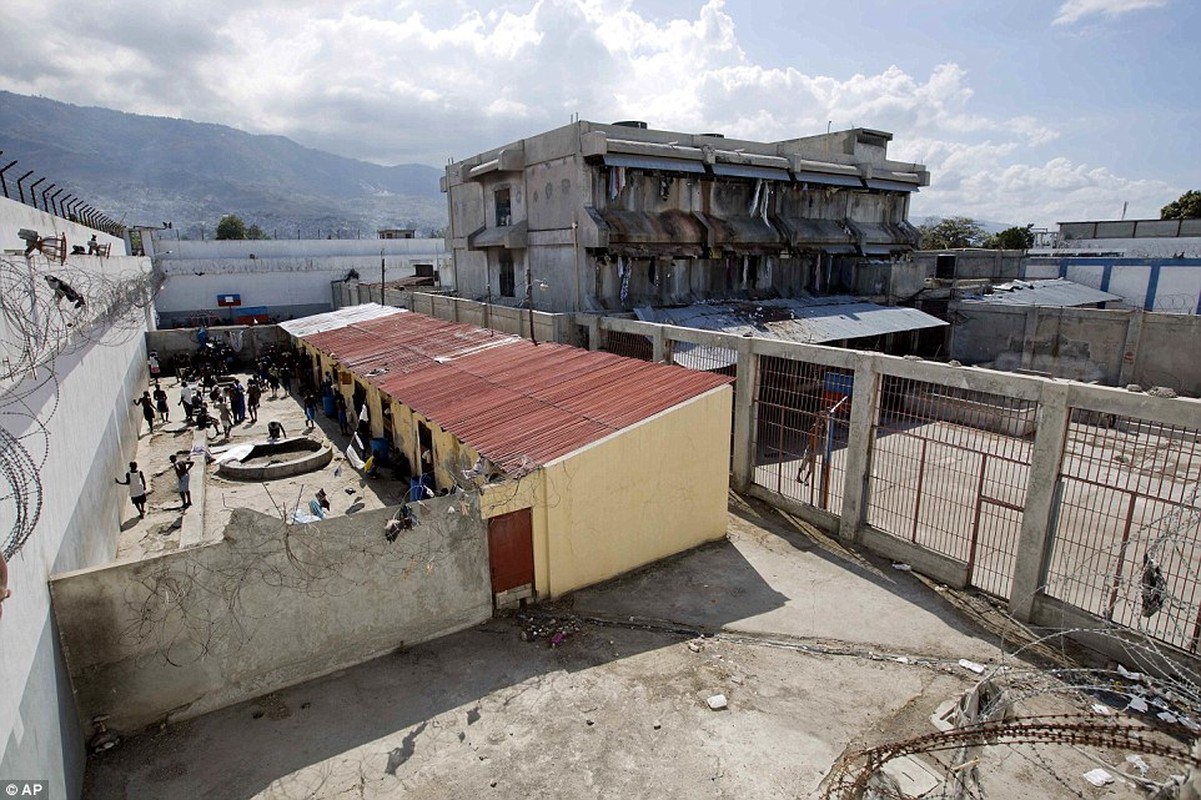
[190,631]
[67,431]
[1113,347]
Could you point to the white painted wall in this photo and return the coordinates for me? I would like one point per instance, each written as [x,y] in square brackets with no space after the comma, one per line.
[90,431]
[290,277]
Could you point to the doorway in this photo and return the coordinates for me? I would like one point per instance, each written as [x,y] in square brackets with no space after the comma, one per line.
[511,556]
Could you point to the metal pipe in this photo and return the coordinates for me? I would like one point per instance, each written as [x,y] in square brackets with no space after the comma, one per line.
[45,202]
[3,170]
[20,189]
[33,191]
[52,204]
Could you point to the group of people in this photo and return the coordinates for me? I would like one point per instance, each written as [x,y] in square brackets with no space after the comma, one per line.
[139,487]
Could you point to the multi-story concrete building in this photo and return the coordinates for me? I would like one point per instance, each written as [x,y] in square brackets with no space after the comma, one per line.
[594,217]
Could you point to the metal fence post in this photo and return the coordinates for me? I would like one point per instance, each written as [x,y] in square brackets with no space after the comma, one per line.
[744,402]
[1034,546]
[864,404]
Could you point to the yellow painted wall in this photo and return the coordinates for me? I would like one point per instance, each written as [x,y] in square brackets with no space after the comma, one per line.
[643,494]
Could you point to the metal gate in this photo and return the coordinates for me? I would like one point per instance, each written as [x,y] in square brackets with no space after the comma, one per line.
[949,473]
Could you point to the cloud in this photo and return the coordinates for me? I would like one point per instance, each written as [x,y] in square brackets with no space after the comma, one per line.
[1075,10]
[424,80]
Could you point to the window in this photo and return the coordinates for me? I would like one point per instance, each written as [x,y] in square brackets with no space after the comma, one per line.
[944,266]
[504,208]
[508,281]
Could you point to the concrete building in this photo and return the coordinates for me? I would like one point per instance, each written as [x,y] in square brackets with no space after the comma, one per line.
[237,281]
[594,217]
[72,359]
[588,465]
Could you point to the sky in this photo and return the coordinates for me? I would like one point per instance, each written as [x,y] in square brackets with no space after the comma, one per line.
[1024,111]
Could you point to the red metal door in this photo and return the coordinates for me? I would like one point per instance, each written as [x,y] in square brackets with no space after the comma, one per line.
[511,550]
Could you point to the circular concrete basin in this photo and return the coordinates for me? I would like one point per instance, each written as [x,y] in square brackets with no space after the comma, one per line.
[269,461]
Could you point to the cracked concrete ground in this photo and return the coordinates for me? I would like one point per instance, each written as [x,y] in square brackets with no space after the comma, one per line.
[818,649]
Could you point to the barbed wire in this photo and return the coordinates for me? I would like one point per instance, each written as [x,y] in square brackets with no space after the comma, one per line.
[48,311]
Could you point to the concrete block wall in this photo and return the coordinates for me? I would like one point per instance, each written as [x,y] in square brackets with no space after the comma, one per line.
[193,630]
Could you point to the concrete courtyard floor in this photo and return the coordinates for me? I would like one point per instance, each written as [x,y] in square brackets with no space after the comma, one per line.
[820,650]
[160,531]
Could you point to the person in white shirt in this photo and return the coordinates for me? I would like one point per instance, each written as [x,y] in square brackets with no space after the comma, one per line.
[136,481]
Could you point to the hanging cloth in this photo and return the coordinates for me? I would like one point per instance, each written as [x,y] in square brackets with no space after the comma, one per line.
[623,267]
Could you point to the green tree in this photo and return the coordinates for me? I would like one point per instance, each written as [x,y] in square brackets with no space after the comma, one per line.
[231,227]
[1015,238]
[1187,206]
[255,232]
[950,233]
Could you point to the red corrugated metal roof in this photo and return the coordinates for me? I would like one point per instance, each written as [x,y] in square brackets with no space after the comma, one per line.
[519,404]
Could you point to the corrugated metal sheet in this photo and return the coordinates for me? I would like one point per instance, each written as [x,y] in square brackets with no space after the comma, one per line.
[1058,292]
[520,405]
[813,320]
[332,320]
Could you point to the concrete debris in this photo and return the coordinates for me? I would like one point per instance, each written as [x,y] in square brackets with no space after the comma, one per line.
[903,567]
[717,702]
[1098,777]
[1133,387]
[696,647]
[1161,391]
[972,665]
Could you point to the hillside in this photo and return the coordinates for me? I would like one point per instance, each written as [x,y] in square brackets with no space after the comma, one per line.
[145,170]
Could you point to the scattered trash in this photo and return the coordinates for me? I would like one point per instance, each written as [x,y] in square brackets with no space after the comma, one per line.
[492,783]
[555,630]
[348,490]
[657,725]
[590,722]
[1191,724]
[717,702]
[1128,675]
[902,566]
[1137,704]
[1101,709]
[1133,387]
[1161,391]
[972,665]
[1168,717]
[1137,762]
[696,647]
[901,659]
[1098,777]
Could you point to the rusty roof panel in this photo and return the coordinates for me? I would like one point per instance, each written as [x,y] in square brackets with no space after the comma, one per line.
[519,404]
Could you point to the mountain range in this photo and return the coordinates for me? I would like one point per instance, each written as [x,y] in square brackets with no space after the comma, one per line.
[144,170]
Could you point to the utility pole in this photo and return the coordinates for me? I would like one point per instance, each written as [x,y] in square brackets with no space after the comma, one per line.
[381,277]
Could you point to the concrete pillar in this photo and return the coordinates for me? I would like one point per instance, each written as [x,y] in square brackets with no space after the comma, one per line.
[865,399]
[1134,332]
[594,333]
[744,396]
[658,345]
[1028,337]
[1042,497]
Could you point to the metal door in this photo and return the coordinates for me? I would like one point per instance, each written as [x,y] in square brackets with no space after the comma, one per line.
[511,550]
